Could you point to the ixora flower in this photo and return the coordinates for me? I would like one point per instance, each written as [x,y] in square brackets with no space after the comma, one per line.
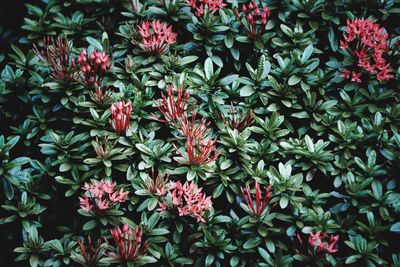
[101,196]
[129,244]
[258,207]
[198,6]
[56,53]
[121,116]
[198,152]
[187,199]
[90,252]
[367,42]
[253,18]
[170,107]
[319,244]
[191,129]
[92,68]
[156,37]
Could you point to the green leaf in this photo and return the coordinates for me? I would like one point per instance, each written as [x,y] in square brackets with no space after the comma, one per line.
[96,44]
[89,225]
[395,227]
[307,53]
[208,68]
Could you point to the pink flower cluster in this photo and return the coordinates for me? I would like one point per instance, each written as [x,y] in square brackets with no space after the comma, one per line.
[368,44]
[93,67]
[156,37]
[101,197]
[130,245]
[320,244]
[171,108]
[121,116]
[255,18]
[198,143]
[187,199]
[198,6]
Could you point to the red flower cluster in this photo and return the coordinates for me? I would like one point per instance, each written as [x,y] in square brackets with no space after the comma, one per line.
[239,123]
[101,197]
[320,244]
[171,108]
[258,207]
[130,245]
[57,55]
[368,43]
[255,19]
[121,116]
[156,37]
[187,199]
[199,145]
[198,5]
[92,68]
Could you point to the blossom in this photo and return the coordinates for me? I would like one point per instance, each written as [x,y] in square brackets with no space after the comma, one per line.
[198,6]
[240,123]
[319,244]
[173,109]
[258,207]
[129,244]
[121,115]
[92,68]
[367,42]
[198,152]
[191,129]
[157,185]
[101,197]
[253,18]
[91,252]
[187,199]
[156,37]
[56,53]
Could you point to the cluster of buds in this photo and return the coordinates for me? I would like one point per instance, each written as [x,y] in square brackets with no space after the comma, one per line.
[187,199]
[103,147]
[198,6]
[170,107]
[157,185]
[258,207]
[129,244]
[90,252]
[319,245]
[101,95]
[56,53]
[156,37]
[368,43]
[121,116]
[92,68]
[240,122]
[198,143]
[253,18]
[101,197]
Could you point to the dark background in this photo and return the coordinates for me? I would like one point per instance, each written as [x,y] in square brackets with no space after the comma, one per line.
[12,14]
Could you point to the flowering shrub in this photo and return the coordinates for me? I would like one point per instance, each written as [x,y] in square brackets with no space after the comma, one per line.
[200,133]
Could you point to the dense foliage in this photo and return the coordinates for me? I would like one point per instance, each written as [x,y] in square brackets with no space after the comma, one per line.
[201,132]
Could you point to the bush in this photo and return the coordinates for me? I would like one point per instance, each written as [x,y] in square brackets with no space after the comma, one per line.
[201,132]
